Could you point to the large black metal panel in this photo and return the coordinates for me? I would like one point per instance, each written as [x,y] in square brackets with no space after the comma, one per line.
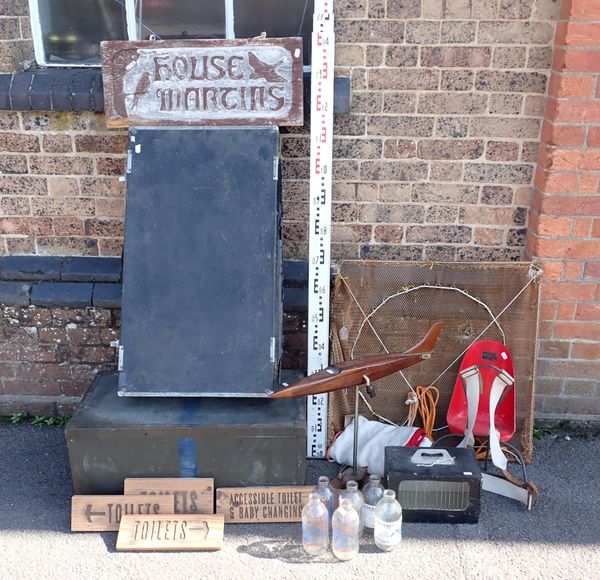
[201,306]
[238,442]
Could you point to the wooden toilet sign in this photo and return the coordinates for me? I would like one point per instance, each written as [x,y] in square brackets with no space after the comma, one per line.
[203,82]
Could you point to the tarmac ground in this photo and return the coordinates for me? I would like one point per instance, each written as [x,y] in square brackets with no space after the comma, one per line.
[559,538]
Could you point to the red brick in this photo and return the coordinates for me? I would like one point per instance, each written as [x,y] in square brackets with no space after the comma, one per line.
[580,10]
[568,111]
[547,310]
[576,60]
[548,226]
[553,349]
[587,182]
[571,86]
[593,139]
[592,271]
[561,135]
[565,311]
[583,330]
[551,182]
[596,228]
[565,249]
[567,291]
[577,34]
[569,368]
[572,271]
[586,350]
[571,159]
[32,387]
[588,312]
[582,227]
[552,270]
[570,205]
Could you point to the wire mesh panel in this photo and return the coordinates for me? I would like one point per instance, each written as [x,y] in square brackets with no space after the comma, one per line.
[385,306]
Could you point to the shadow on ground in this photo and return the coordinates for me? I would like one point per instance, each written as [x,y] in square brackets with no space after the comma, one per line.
[36,493]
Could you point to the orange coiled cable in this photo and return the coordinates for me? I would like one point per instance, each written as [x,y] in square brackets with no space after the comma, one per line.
[423,401]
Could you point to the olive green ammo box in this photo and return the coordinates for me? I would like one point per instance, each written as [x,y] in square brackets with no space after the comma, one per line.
[239,442]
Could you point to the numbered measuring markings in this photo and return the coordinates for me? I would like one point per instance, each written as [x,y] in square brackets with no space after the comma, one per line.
[319,272]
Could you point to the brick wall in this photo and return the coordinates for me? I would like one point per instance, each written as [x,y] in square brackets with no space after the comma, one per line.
[437,157]
[565,221]
[49,356]
[16,46]
[435,160]
[60,192]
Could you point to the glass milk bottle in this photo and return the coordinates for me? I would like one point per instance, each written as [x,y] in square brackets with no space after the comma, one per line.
[327,495]
[388,522]
[344,540]
[356,498]
[372,492]
[315,526]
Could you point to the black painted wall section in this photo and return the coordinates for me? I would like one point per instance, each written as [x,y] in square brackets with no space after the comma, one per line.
[59,89]
[78,282]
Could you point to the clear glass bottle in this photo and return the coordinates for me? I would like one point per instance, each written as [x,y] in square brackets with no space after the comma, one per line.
[344,539]
[372,492]
[356,498]
[327,494]
[388,522]
[315,526]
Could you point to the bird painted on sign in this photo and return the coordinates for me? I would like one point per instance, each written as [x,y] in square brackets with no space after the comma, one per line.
[141,89]
[263,70]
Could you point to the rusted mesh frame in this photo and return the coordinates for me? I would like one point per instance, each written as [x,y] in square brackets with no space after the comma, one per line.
[362,286]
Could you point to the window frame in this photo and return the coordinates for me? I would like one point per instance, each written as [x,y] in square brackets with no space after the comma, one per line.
[129,6]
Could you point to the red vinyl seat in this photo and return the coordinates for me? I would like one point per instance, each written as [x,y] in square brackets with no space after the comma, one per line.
[484,354]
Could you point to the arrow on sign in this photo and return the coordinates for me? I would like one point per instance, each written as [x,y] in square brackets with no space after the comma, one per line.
[202,528]
[89,513]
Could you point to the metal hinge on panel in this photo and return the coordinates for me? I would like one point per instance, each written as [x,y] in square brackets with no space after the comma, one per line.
[275,168]
[120,363]
[117,345]
[272,349]
[129,158]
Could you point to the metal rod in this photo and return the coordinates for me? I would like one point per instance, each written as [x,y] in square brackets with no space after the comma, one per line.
[355,446]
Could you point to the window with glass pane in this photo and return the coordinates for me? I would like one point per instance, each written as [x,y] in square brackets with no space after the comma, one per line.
[180,18]
[275,17]
[73,29]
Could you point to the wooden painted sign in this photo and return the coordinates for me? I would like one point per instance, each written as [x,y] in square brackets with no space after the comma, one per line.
[170,533]
[262,504]
[103,513]
[192,495]
[203,82]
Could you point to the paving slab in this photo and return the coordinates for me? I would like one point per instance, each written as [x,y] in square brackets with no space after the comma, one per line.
[560,538]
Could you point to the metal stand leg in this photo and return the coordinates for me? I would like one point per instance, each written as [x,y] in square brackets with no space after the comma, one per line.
[514,450]
[355,446]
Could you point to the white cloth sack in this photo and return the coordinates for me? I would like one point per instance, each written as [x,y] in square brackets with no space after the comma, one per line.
[373,438]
